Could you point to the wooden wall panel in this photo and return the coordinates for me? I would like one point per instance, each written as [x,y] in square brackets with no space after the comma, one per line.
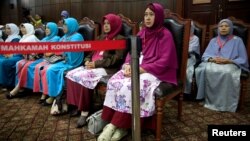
[94,9]
[77,12]
[8,12]
[238,10]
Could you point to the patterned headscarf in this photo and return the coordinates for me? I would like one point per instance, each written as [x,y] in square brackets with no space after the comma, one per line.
[115,24]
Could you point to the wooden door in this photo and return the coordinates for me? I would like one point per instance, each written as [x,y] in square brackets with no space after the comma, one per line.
[212,11]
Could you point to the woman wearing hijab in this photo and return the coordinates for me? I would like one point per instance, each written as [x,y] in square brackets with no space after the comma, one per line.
[64,15]
[82,80]
[218,76]
[8,61]
[55,72]
[193,50]
[158,63]
[23,65]
[39,72]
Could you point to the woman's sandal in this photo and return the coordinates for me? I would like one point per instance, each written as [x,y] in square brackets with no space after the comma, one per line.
[9,95]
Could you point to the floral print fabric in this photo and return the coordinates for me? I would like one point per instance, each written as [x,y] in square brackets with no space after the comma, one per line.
[86,77]
[118,95]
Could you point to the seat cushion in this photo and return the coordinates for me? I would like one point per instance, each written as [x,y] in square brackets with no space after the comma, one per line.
[166,88]
[244,74]
[104,79]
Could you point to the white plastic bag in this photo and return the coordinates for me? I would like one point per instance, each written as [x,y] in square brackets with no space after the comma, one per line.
[58,108]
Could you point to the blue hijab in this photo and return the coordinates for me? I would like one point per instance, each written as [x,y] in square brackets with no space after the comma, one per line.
[52,37]
[72,26]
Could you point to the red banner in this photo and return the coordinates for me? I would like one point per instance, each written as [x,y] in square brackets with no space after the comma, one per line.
[41,47]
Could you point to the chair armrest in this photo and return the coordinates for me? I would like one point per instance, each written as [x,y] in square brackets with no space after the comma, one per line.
[244,74]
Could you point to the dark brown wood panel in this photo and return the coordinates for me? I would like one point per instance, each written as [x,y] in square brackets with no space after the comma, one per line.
[218,9]
[77,10]
[203,13]
[95,9]
[239,9]
[214,10]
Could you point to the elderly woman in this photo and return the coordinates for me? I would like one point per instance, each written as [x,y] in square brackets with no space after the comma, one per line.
[218,76]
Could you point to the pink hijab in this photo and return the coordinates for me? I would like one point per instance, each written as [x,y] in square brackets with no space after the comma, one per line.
[158,48]
[115,23]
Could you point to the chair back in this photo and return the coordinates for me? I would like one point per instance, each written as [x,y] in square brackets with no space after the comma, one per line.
[88,29]
[4,35]
[240,29]
[40,33]
[128,27]
[60,31]
[180,29]
[200,32]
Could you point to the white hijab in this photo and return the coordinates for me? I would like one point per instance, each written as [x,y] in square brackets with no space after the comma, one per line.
[29,36]
[1,34]
[14,32]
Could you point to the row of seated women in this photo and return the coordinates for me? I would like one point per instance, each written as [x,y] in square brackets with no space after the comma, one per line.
[29,71]
[158,63]
[158,50]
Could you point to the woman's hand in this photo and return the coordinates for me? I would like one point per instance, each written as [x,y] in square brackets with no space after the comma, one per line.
[89,65]
[142,70]
[219,60]
[127,70]
[48,54]
[8,55]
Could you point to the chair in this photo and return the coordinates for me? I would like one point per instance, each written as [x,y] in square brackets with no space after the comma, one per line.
[242,30]
[60,31]
[4,35]
[128,27]
[180,29]
[88,29]
[40,33]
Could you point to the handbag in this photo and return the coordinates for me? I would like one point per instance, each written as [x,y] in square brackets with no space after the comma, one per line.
[54,58]
[95,122]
